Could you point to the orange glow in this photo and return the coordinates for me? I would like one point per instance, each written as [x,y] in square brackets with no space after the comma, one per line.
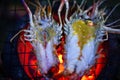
[85,77]
[60,58]
[61,66]
[91,77]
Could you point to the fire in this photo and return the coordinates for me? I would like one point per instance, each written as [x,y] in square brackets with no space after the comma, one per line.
[61,66]
[85,77]
[60,58]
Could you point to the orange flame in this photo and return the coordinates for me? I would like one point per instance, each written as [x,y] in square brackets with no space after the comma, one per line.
[91,77]
[60,58]
[61,66]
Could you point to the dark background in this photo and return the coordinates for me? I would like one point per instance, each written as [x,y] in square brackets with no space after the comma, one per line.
[13,16]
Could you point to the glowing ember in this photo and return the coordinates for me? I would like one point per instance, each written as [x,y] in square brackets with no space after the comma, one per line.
[85,77]
[61,66]
[60,58]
